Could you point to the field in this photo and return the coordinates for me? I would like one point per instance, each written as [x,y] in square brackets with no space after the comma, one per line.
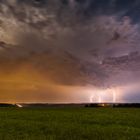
[69,124]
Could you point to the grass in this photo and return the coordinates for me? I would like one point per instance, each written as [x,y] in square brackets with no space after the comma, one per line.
[70,124]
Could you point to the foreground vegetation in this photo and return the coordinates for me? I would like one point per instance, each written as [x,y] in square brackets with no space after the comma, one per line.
[70,124]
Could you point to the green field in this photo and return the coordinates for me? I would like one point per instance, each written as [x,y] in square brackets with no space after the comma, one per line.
[70,124]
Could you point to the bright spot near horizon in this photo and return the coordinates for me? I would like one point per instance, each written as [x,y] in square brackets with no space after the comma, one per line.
[99,99]
[114,96]
[18,105]
[100,96]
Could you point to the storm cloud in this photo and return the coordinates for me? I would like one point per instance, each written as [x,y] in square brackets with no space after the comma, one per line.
[70,42]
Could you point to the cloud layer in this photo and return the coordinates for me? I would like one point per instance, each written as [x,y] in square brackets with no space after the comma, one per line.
[70,42]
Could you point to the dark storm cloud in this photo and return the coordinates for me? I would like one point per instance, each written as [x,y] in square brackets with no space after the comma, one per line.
[72,38]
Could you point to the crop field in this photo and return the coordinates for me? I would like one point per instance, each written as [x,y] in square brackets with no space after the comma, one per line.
[69,123]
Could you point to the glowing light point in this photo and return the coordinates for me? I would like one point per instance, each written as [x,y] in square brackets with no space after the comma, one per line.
[91,99]
[99,99]
[18,105]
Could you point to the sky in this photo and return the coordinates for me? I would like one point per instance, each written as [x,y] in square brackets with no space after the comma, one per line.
[70,51]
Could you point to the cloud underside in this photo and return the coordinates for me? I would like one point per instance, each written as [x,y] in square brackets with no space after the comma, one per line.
[62,43]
